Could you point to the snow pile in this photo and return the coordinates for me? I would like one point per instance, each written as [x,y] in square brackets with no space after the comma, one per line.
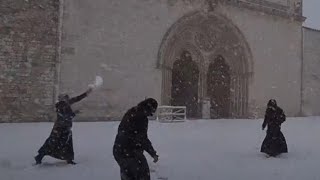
[192,150]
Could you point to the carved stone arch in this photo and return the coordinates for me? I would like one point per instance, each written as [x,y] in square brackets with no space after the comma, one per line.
[233,47]
[172,35]
[192,20]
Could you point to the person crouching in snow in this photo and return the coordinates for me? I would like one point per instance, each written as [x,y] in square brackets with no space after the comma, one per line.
[274,143]
[132,140]
[60,144]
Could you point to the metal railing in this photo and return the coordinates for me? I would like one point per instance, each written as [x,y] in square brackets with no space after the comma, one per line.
[171,113]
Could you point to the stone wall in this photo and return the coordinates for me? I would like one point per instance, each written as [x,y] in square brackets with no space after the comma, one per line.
[120,40]
[28,52]
[311,73]
[275,44]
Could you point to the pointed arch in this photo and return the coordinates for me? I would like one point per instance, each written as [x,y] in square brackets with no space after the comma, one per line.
[207,35]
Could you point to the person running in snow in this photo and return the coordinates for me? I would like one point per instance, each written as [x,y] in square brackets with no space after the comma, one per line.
[132,140]
[60,144]
[274,142]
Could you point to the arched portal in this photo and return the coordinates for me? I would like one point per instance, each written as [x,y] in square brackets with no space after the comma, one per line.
[218,88]
[206,36]
[185,80]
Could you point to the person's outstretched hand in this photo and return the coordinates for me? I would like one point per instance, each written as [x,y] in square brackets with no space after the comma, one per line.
[89,91]
[155,158]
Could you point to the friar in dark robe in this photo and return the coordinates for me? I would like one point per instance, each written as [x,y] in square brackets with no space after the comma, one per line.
[274,143]
[59,145]
[132,140]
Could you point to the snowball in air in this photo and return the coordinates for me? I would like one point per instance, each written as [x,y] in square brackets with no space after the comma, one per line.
[97,83]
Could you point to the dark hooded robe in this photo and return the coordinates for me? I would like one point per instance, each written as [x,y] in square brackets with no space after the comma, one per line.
[274,142]
[60,144]
[132,140]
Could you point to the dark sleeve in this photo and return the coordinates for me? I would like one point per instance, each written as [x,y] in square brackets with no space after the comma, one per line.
[143,136]
[282,116]
[266,118]
[78,98]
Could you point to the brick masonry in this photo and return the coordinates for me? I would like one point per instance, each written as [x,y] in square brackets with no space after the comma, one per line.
[29,45]
[28,53]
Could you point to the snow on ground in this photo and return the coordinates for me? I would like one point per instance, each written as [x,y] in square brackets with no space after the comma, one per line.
[192,150]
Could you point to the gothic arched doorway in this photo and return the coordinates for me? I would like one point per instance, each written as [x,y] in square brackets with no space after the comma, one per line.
[207,35]
[185,80]
[218,88]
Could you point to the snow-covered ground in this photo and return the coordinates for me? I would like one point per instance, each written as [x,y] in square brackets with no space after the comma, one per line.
[192,150]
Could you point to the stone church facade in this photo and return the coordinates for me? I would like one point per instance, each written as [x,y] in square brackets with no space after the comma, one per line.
[234,55]
[310,72]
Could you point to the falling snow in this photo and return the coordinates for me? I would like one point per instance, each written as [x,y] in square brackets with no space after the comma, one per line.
[204,150]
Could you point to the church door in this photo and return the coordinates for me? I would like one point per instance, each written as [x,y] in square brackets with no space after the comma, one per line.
[218,83]
[185,79]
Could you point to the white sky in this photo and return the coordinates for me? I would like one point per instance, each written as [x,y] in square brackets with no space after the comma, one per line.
[311,10]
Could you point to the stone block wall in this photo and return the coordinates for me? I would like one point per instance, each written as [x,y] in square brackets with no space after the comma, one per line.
[28,53]
[311,73]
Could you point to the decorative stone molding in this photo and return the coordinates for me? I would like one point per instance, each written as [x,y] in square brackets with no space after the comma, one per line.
[207,36]
[270,8]
[207,39]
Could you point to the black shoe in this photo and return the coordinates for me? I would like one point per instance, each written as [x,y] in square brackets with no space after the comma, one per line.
[38,159]
[71,162]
